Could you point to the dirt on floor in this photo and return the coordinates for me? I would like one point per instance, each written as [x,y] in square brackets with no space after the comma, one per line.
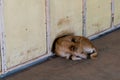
[105,67]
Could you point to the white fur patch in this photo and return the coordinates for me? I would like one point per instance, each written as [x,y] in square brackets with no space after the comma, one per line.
[81,55]
[89,50]
[76,58]
[65,55]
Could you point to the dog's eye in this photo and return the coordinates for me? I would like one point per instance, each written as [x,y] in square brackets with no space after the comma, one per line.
[73,40]
[73,48]
[82,52]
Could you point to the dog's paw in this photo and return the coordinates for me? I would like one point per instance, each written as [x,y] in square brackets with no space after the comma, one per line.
[93,56]
[75,58]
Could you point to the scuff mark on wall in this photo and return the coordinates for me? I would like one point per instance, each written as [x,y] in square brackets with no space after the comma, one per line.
[31,50]
[64,21]
[96,24]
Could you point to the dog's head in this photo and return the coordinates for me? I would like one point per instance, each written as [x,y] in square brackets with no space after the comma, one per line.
[78,51]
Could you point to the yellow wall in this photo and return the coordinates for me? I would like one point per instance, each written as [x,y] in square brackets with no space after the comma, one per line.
[117,12]
[25,30]
[66,16]
[98,16]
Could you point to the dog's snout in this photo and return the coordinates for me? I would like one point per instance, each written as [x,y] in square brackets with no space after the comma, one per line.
[88,55]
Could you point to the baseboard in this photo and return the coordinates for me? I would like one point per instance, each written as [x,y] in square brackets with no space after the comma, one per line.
[30,64]
[104,33]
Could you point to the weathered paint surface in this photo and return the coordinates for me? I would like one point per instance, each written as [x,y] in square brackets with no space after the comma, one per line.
[98,16]
[25,30]
[66,16]
[117,12]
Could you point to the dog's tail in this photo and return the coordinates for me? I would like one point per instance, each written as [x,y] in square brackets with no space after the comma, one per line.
[95,54]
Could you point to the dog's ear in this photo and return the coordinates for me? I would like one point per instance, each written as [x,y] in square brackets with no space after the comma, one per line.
[76,39]
[73,48]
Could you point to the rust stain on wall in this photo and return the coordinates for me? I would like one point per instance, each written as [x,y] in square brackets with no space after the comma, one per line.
[29,51]
[96,24]
[32,50]
[99,6]
[64,21]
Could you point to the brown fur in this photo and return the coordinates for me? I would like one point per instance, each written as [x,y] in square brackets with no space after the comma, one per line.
[76,47]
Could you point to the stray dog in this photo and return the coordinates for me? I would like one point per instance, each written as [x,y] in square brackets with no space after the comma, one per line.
[74,47]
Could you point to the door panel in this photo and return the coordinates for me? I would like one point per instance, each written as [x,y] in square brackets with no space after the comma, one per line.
[66,16]
[98,16]
[25,30]
[117,12]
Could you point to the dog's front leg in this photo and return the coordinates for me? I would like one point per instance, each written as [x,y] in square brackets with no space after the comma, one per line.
[75,58]
[67,56]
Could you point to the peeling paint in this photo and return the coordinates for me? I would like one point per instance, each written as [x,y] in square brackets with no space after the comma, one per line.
[96,24]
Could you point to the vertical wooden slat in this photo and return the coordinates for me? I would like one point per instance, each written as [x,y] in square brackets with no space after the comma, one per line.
[2,40]
[112,13]
[48,26]
[84,17]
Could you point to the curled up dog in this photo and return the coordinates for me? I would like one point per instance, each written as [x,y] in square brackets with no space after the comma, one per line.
[74,47]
